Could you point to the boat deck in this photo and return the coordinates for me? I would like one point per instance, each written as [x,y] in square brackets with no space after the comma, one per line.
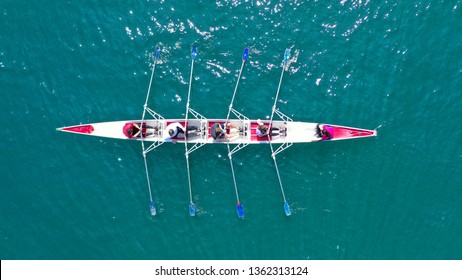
[156,131]
[295,132]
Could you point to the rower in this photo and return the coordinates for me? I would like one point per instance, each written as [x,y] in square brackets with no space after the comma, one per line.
[218,131]
[132,130]
[262,130]
[176,130]
[324,132]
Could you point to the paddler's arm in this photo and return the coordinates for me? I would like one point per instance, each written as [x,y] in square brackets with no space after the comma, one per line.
[137,127]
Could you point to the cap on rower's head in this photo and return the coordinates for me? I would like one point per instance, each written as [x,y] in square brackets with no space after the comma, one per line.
[215,130]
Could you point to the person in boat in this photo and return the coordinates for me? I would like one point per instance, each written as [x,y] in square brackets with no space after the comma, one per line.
[132,130]
[262,130]
[324,132]
[176,130]
[218,131]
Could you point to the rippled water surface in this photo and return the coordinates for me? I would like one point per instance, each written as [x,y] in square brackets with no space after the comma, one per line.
[391,65]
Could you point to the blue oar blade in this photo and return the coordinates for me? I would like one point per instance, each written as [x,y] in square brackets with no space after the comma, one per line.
[245,55]
[152,208]
[157,53]
[192,209]
[194,53]
[240,210]
[287,209]
[286,55]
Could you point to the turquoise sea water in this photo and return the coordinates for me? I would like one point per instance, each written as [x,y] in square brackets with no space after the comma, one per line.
[391,65]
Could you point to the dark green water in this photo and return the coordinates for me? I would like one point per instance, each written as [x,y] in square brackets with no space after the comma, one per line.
[395,65]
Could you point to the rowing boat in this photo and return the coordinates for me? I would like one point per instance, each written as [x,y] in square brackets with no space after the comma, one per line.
[198,130]
[157,131]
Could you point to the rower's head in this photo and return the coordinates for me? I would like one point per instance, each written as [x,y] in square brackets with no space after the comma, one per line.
[171,132]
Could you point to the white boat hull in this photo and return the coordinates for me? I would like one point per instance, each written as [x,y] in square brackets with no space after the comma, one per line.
[296,132]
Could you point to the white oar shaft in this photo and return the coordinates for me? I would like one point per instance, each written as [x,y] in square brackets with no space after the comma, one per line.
[232,171]
[273,109]
[189,178]
[149,90]
[235,90]
[189,89]
[152,205]
[240,209]
[192,209]
[279,178]
[147,176]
